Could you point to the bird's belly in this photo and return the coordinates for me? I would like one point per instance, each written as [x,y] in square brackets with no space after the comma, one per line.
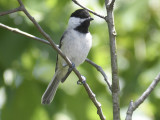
[78,55]
[77,52]
[76,49]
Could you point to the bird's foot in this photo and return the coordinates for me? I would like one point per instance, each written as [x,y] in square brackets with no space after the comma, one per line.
[82,82]
[72,67]
[68,73]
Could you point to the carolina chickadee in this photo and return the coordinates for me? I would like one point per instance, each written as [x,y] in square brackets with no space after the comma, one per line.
[75,44]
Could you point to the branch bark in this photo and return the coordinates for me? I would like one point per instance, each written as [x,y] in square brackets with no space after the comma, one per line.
[24,33]
[113,52]
[99,68]
[10,11]
[134,105]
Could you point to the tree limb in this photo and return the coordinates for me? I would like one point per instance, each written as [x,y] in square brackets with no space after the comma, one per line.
[99,68]
[10,11]
[24,33]
[113,52]
[109,4]
[134,105]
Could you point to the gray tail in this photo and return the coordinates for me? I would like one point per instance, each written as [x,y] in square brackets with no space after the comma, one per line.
[51,89]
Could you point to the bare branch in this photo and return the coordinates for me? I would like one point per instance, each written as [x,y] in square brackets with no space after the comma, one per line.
[109,4]
[112,4]
[96,103]
[20,3]
[24,33]
[134,105]
[99,68]
[114,65]
[76,2]
[54,46]
[10,11]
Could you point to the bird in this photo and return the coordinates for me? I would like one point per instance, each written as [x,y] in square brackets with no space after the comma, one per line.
[75,43]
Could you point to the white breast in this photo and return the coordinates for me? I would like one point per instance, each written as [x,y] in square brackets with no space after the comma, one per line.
[76,46]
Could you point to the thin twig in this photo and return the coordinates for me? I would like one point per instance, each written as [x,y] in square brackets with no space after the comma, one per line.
[54,46]
[96,103]
[99,68]
[24,33]
[76,2]
[10,11]
[113,53]
[134,105]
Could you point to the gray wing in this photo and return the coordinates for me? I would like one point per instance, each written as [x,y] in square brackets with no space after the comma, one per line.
[60,44]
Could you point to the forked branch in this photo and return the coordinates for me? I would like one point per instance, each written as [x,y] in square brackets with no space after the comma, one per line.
[134,105]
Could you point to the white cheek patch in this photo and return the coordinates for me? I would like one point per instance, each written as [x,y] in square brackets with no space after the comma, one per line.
[74,22]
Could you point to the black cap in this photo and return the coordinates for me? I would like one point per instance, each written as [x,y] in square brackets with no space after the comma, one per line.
[81,13]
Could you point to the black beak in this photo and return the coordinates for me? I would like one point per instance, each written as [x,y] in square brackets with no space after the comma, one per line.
[90,19]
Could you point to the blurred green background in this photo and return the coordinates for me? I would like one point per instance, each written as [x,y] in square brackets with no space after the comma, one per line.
[27,66]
